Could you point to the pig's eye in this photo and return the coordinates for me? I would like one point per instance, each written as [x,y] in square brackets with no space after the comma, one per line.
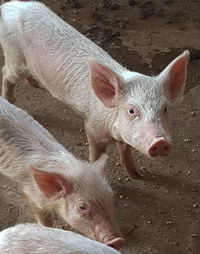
[131,111]
[165,110]
[82,206]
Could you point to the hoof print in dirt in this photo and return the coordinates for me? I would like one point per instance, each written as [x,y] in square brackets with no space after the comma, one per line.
[169,2]
[146,10]
[110,5]
[132,2]
[73,4]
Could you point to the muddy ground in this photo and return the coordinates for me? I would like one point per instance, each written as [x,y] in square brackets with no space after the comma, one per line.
[159,213]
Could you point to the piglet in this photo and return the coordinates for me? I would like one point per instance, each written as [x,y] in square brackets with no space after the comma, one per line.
[37,239]
[51,178]
[117,104]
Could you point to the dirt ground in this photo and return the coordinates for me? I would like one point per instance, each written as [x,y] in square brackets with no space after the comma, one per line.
[159,213]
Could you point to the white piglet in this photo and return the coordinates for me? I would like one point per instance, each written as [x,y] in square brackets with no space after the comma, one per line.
[117,104]
[36,239]
[51,178]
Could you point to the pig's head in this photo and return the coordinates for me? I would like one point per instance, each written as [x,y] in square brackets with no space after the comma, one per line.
[80,194]
[138,103]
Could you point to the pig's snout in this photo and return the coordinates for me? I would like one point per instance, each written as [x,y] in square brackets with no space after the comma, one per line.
[116,241]
[160,147]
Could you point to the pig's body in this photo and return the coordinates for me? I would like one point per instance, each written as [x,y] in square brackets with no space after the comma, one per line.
[53,179]
[117,104]
[62,65]
[35,239]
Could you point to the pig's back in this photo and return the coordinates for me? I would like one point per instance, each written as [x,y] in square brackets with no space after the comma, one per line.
[21,133]
[42,240]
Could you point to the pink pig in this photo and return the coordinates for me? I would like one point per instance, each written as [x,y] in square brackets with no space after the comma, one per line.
[52,179]
[117,104]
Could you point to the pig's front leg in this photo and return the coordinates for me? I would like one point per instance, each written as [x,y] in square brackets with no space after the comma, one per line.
[126,159]
[95,147]
[42,216]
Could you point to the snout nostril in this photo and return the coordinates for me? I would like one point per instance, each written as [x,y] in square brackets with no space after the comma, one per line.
[166,148]
[154,148]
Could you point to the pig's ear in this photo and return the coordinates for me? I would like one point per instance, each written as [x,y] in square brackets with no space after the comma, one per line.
[54,186]
[106,84]
[100,163]
[174,75]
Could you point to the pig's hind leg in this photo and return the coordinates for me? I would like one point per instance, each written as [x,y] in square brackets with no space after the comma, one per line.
[10,80]
[8,85]
[14,70]
[126,159]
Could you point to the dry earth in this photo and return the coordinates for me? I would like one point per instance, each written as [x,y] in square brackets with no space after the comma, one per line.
[159,213]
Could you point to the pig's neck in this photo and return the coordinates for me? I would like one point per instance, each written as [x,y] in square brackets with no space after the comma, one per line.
[103,120]
[105,123]
[78,92]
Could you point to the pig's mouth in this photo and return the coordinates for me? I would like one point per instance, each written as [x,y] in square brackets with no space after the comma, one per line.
[115,241]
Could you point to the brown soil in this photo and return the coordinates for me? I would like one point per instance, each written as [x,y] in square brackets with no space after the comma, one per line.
[159,213]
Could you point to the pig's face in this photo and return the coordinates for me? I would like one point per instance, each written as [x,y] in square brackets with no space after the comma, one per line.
[143,117]
[92,214]
[83,199]
[140,103]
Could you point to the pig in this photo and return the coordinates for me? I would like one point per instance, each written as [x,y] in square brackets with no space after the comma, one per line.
[52,179]
[37,239]
[118,105]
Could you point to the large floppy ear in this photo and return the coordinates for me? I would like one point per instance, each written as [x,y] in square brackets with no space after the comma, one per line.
[106,84]
[53,185]
[174,75]
[100,163]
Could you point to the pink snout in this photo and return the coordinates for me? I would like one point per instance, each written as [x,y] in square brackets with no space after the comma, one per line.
[115,241]
[159,148]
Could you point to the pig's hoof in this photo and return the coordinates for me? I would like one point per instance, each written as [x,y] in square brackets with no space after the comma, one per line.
[135,175]
[33,82]
[12,100]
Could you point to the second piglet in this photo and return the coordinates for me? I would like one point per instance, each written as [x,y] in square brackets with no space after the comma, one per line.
[53,179]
